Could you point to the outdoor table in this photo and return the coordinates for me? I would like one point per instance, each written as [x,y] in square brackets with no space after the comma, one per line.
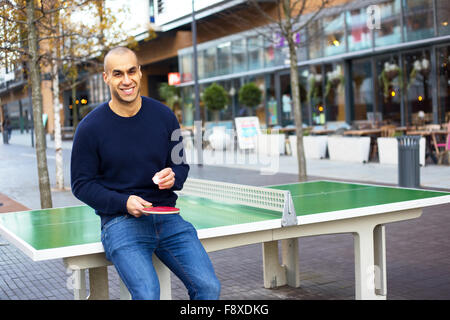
[322,131]
[425,133]
[230,215]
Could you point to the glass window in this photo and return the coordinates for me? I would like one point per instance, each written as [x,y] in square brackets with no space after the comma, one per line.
[259,110]
[301,42]
[303,81]
[443,67]
[227,112]
[186,64]
[224,58]
[390,82]
[271,101]
[287,116]
[359,35]
[187,101]
[255,52]
[210,62]
[269,53]
[389,31]
[363,94]
[281,49]
[443,16]
[314,39]
[334,108]
[315,95]
[238,54]
[334,34]
[418,19]
[417,68]
[200,65]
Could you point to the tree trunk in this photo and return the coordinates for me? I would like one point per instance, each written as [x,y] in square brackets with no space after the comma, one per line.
[58,140]
[35,76]
[297,107]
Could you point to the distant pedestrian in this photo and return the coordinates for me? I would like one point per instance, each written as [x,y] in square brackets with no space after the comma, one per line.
[8,129]
[5,125]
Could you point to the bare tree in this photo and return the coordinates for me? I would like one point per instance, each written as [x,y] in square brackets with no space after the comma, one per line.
[31,34]
[292,17]
[36,96]
[273,21]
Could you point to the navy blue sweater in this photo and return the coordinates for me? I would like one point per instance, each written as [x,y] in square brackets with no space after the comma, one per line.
[114,157]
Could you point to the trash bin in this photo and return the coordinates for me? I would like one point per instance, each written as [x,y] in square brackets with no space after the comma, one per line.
[408,161]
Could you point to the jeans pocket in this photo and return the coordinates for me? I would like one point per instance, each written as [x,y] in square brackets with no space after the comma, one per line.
[113,221]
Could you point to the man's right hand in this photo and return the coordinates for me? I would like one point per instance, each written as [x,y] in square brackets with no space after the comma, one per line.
[135,205]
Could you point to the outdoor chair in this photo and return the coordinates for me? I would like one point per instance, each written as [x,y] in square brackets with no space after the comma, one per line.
[441,143]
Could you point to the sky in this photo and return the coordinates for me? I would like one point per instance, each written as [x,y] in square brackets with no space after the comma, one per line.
[135,15]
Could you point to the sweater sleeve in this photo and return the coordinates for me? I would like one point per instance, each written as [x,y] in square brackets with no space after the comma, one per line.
[177,157]
[84,167]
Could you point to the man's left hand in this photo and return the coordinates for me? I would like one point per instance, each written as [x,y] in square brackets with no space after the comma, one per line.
[166,178]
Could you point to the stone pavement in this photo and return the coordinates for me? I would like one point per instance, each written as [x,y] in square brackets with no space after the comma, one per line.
[418,251]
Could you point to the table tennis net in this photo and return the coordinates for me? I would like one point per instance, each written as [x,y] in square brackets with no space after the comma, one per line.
[260,197]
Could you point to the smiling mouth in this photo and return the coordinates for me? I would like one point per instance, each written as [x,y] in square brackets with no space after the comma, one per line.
[128,91]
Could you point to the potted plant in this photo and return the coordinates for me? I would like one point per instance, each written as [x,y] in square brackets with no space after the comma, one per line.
[334,78]
[315,85]
[389,73]
[170,95]
[419,67]
[250,95]
[215,98]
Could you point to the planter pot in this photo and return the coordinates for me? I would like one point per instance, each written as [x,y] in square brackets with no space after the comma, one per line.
[388,150]
[271,144]
[315,147]
[353,149]
[219,139]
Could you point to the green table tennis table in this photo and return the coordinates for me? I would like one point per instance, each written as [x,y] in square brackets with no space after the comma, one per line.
[230,215]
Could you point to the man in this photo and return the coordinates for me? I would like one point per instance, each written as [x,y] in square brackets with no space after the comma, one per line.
[122,161]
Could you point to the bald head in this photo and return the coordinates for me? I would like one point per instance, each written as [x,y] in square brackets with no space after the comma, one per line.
[117,52]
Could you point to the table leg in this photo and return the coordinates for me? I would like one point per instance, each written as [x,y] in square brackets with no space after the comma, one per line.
[380,260]
[78,282]
[365,268]
[290,259]
[274,273]
[98,283]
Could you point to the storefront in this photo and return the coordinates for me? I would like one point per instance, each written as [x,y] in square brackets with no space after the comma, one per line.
[347,71]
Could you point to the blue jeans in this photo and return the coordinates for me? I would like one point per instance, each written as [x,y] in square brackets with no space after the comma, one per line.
[129,243]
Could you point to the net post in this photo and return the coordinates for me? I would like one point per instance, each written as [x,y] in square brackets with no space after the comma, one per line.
[289,217]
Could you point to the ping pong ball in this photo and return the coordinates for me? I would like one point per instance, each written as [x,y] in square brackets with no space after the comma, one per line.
[156,179]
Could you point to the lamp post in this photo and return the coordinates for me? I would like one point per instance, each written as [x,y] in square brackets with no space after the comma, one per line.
[198,138]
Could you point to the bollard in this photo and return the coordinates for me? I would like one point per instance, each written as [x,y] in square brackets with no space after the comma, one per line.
[408,161]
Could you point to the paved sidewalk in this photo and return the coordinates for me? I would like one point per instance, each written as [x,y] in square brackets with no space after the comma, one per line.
[431,175]
[418,251]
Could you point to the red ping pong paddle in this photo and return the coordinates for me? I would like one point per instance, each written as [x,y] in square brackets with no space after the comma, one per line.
[161,210]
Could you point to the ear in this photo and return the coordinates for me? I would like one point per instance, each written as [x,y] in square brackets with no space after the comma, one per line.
[105,77]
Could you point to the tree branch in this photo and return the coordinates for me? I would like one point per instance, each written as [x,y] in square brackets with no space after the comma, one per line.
[324,3]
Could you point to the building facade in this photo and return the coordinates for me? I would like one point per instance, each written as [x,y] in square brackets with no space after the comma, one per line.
[366,60]
[384,60]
